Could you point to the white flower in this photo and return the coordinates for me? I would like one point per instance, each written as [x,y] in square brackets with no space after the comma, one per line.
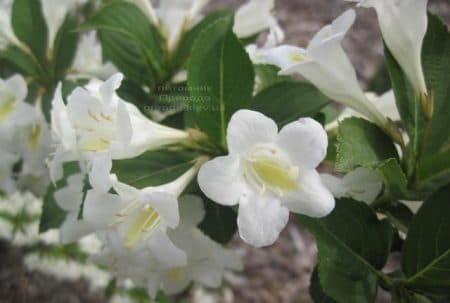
[69,199]
[403,24]
[7,35]
[325,64]
[140,217]
[7,162]
[96,121]
[88,59]
[254,17]
[384,103]
[269,173]
[361,184]
[207,260]
[55,11]
[178,16]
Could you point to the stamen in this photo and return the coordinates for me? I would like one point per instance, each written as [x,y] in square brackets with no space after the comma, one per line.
[92,115]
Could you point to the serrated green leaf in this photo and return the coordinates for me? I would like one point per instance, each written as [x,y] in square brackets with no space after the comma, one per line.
[29,26]
[353,244]
[220,78]
[361,143]
[426,252]
[153,168]
[287,101]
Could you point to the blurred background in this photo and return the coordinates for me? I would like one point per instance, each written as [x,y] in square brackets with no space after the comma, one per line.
[278,274]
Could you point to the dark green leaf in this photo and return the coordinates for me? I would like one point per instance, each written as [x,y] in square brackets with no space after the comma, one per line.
[130,41]
[352,245]
[426,252]
[400,215]
[287,101]
[29,26]
[153,168]
[220,78]
[361,143]
[268,76]
[436,65]
[20,60]
[316,291]
[65,47]
[434,171]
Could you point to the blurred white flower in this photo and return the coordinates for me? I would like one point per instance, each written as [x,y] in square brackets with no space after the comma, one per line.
[325,64]
[403,24]
[7,35]
[269,173]
[55,12]
[96,121]
[361,184]
[88,60]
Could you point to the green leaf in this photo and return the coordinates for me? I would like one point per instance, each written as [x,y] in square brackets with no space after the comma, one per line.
[434,171]
[184,49]
[394,179]
[409,108]
[436,65]
[426,252]
[268,75]
[130,41]
[352,245]
[400,215]
[361,143]
[22,61]
[220,222]
[29,26]
[153,168]
[53,216]
[315,289]
[287,101]
[220,78]
[65,47]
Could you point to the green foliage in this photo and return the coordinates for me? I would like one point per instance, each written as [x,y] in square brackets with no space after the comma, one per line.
[153,168]
[268,76]
[130,41]
[426,252]
[65,47]
[287,101]
[353,244]
[315,289]
[29,26]
[220,78]
[361,143]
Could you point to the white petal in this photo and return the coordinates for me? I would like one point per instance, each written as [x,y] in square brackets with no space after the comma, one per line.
[61,124]
[334,184]
[248,128]
[73,229]
[253,18]
[305,141]
[339,26]
[284,56]
[69,198]
[192,211]
[108,88]
[312,198]
[166,205]
[166,252]
[220,180]
[363,184]
[99,176]
[100,210]
[261,219]
[18,86]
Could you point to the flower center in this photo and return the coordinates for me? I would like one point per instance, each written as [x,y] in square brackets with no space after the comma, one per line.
[97,130]
[176,274]
[7,105]
[33,139]
[267,168]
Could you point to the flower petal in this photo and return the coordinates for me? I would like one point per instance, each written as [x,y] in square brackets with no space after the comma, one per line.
[305,141]
[100,210]
[248,128]
[192,211]
[167,254]
[73,229]
[284,56]
[99,176]
[261,219]
[312,199]
[220,180]
[166,205]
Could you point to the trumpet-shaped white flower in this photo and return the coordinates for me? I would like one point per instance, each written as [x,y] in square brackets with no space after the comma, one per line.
[88,60]
[96,121]
[70,199]
[254,17]
[7,161]
[362,184]
[269,173]
[55,11]
[403,24]
[384,103]
[138,218]
[206,260]
[325,64]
